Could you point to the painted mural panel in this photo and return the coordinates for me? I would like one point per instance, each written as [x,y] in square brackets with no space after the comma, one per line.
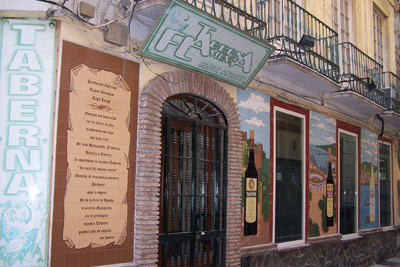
[322,151]
[95,159]
[95,203]
[26,108]
[368,180]
[254,108]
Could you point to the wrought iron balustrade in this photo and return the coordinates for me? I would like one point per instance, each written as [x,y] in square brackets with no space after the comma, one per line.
[288,22]
[356,68]
[281,23]
[391,88]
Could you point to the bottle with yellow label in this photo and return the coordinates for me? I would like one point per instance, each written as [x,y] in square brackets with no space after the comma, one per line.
[329,197]
[251,175]
[372,194]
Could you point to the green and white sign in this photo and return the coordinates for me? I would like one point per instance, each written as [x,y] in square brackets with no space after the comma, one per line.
[27,65]
[190,38]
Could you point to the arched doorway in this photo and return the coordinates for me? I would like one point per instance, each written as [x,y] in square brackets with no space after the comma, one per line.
[193,183]
[148,174]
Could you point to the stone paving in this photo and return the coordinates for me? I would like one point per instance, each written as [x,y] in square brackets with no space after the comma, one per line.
[389,262]
[363,251]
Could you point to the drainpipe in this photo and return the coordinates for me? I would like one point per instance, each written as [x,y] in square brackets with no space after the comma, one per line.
[383,124]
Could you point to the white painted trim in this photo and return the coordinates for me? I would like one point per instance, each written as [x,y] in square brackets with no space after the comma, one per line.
[303,117]
[341,131]
[389,227]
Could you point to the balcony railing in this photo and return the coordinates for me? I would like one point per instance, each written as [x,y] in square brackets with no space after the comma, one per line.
[287,23]
[391,88]
[281,23]
[356,68]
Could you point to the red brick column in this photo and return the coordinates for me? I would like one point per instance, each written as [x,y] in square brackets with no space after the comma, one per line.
[149,160]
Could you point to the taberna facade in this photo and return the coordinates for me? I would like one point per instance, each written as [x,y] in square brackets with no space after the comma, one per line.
[215,133]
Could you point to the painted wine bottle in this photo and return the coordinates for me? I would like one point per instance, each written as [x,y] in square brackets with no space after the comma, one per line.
[251,175]
[372,193]
[329,197]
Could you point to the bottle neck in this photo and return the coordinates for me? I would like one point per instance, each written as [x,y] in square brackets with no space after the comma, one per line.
[251,154]
[330,177]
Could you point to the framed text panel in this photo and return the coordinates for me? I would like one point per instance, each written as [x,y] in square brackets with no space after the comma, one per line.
[95,158]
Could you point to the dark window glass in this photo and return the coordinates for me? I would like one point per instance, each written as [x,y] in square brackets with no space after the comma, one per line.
[348,190]
[193,183]
[289,178]
[385,185]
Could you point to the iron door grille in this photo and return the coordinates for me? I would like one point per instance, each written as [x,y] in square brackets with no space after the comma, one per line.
[193,192]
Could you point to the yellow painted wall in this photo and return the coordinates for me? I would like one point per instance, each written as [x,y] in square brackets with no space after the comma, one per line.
[396,178]
[93,38]
[319,9]
[363,39]
[362,22]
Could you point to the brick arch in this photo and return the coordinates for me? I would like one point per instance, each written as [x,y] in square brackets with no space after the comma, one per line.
[148,173]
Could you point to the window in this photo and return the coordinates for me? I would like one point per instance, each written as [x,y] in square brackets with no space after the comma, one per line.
[335,12]
[378,18]
[285,19]
[193,182]
[348,173]
[341,19]
[289,176]
[341,23]
[385,181]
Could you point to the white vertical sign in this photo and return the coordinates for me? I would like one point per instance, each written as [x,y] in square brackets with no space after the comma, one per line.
[26,110]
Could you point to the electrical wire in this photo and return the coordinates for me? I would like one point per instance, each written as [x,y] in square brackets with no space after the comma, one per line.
[131,8]
[123,18]
[159,75]
[308,99]
[80,18]
[66,9]
[130,11]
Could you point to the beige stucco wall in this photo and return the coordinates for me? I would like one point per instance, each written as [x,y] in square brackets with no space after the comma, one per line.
[396,178]
[362,25]
[93,38]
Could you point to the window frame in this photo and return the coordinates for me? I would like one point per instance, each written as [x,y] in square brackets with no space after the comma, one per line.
[338,25]
[357,135]
[391,197]
[279,27]
[338,21]
[304,142]
[379,54]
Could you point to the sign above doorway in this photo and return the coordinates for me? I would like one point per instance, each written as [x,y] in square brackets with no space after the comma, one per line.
[189,38]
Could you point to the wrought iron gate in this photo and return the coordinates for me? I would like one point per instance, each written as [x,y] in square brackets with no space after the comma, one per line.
[193,188]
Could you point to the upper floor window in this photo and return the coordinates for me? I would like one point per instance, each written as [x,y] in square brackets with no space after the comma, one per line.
[378,19]
[341,19]
[341,23]
[286,19]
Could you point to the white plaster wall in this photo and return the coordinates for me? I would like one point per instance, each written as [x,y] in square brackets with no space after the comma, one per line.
[31,5]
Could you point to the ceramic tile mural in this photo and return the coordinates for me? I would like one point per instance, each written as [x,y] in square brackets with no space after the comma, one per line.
[322,151]
[369,180]
[254,108]
[95,159]
[26,104]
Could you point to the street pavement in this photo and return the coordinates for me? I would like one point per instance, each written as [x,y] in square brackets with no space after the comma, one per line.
[389,262]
